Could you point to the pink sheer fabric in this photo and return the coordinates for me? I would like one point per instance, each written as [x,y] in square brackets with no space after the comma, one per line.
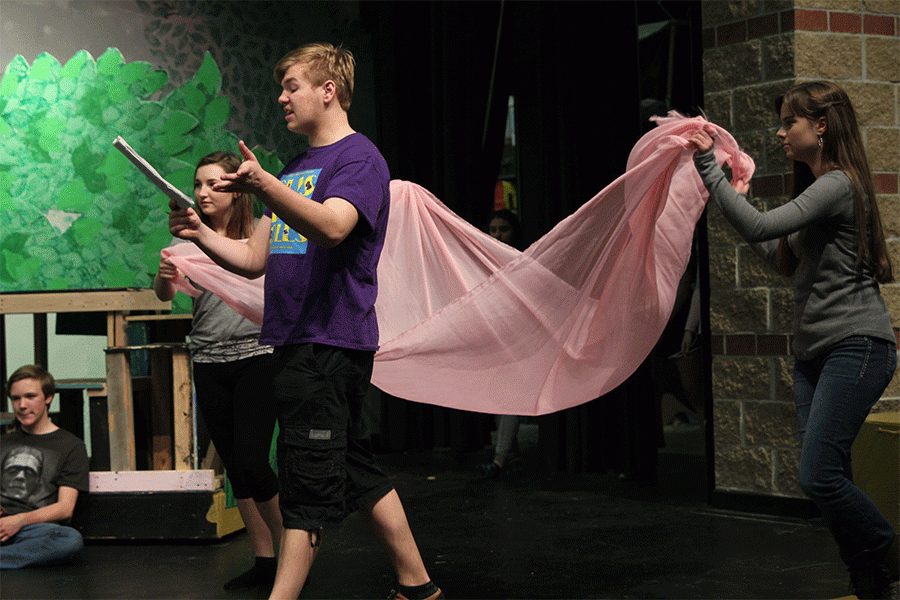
[242,294]
[470,323]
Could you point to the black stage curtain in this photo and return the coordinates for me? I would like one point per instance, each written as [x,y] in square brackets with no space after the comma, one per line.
[441,126]
[444,71]
[440,122]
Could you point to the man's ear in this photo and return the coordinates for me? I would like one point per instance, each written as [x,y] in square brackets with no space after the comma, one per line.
[329,91]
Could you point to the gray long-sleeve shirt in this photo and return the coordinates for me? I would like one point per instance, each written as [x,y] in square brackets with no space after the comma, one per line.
[835,299]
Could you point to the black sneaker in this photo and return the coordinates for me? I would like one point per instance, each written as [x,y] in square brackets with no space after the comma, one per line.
[874,583]
[490,469]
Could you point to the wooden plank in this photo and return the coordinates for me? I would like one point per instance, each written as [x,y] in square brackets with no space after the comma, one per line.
[149,318]
[81,301]
[162,346]
[92,383]
[120,409]
[153,481]
[117,334]
[183,423]
[110,328]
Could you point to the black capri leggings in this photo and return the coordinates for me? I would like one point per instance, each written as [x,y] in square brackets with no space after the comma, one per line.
[236,402]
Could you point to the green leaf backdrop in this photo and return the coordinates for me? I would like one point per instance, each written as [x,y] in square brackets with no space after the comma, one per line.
[74,212]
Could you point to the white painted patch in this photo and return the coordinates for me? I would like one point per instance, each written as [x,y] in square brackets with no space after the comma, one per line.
[60,219]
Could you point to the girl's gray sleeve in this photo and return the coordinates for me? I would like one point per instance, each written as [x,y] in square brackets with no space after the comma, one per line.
[821,200]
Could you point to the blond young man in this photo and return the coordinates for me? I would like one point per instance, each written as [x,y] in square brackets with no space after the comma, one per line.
[318,243]
[45,468]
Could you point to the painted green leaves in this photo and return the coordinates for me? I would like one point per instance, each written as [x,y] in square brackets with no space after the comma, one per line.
[74,213]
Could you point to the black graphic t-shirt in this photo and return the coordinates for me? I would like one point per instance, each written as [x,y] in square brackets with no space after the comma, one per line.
[35,466]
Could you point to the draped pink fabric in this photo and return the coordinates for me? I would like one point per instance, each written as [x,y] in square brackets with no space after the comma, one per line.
[242,294]
[470,323]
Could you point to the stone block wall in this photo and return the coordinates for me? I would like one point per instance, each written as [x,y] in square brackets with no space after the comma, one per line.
[753,51]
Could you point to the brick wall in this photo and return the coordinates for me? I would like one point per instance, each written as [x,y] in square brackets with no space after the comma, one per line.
[754,50]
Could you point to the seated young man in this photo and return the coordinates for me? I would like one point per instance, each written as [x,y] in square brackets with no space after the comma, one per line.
[44,470]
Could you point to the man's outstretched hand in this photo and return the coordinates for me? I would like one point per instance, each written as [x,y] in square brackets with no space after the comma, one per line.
[249,178]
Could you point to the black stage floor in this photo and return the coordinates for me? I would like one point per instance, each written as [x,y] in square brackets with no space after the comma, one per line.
[528,535]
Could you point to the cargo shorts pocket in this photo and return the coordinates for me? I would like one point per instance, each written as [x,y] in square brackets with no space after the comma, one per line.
[313,468]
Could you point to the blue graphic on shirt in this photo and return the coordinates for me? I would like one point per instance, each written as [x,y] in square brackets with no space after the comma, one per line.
[283,239]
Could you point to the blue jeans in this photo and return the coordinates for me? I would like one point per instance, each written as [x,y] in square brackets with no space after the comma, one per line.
[834,393]
[41,544]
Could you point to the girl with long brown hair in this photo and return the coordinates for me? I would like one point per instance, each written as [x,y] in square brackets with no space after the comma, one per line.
[233,376]
[829,237]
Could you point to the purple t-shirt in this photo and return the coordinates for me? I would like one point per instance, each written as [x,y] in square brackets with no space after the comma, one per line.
[317,294]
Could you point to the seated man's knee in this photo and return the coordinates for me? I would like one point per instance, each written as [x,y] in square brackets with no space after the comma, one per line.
[69,540]
[75,540]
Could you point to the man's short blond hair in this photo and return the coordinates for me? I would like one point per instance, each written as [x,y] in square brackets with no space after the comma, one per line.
[322,62]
